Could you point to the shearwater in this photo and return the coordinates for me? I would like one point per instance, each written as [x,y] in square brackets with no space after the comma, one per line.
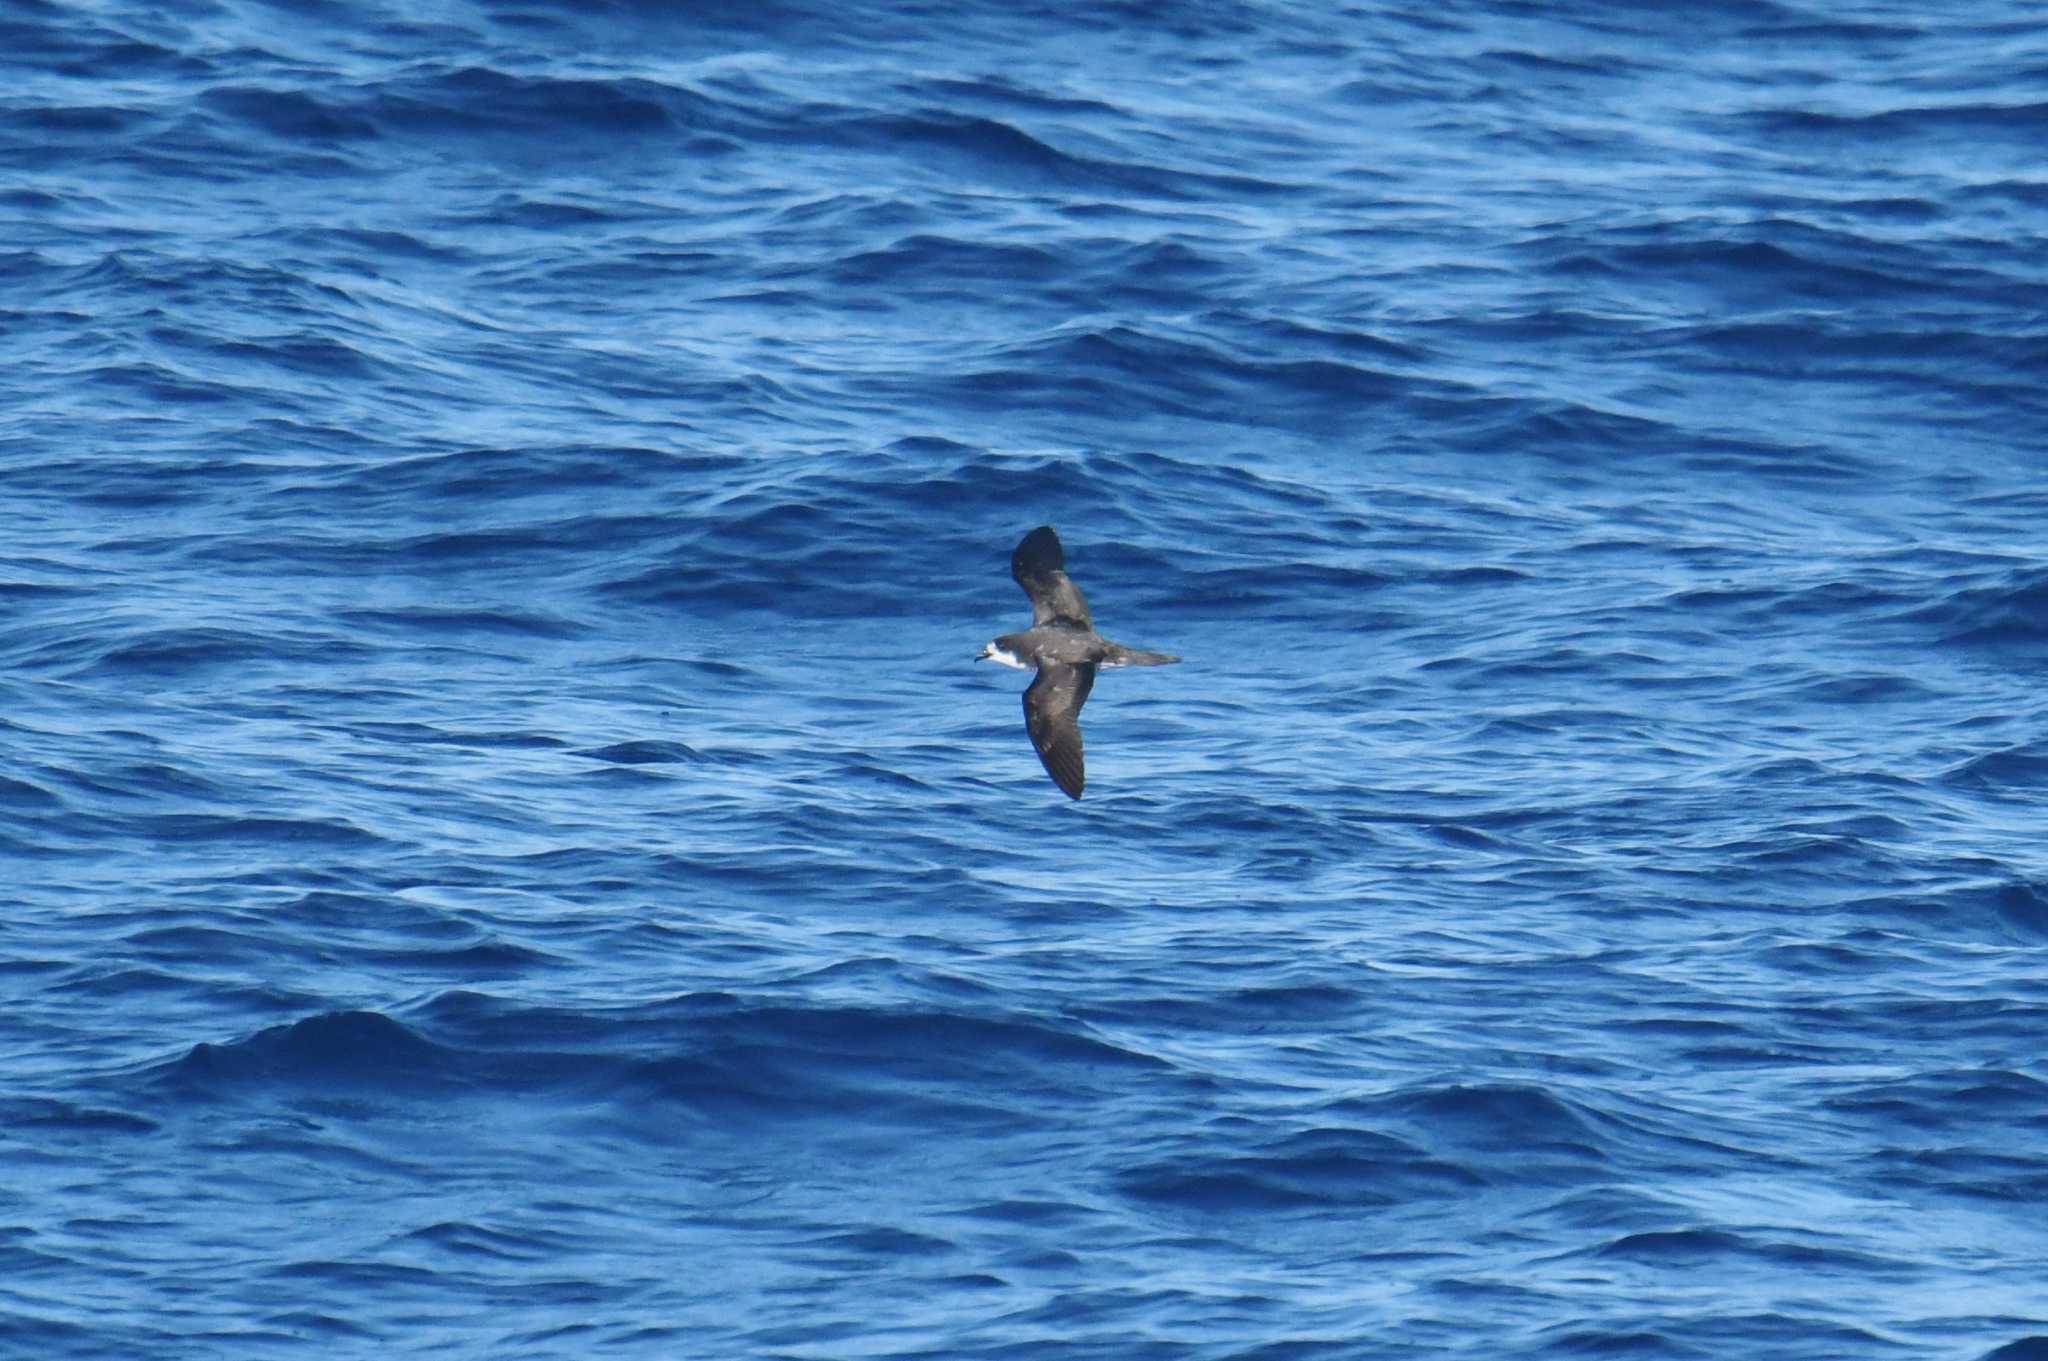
[1064,647]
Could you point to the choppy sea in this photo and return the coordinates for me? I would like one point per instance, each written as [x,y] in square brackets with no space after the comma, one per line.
[504,851]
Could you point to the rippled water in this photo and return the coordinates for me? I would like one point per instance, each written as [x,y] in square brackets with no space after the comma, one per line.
[506,853]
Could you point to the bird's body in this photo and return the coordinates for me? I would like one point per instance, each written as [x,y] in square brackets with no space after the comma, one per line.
[1066,651]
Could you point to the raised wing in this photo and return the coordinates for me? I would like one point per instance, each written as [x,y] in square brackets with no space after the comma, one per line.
[1052,715]
[1039,565]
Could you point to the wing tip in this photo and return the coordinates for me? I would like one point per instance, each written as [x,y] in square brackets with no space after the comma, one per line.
[1039,551]
[1066,770]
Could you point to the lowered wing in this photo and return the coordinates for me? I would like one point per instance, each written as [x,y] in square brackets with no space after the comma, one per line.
[1052,715]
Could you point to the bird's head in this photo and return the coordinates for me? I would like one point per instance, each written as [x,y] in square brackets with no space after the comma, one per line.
[996,652]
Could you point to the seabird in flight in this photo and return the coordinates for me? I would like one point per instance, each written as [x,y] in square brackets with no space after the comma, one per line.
[1064,648]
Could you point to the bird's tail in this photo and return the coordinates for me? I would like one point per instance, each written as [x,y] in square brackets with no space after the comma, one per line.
[1119,655]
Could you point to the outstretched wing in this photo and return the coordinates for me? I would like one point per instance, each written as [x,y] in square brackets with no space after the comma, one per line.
[1039,564]
[1052,715]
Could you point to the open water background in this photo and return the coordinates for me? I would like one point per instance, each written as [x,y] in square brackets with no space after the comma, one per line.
[504,852]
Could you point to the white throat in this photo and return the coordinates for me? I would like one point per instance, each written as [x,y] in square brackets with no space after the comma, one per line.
[1005,656]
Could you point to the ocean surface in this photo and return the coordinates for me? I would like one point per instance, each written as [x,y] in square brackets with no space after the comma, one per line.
[504,852]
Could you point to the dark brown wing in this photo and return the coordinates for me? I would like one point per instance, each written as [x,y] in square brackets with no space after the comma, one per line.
[1052,715]
[1039,565]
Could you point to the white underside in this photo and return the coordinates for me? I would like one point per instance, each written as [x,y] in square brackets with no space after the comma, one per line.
[1005,656]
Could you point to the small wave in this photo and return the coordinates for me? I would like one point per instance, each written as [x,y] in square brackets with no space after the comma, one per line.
[482,101]
[1701,1246]
[1493,1114]
[2009,612]
[179,653]
[463,1239]
[293,115]
[884,1242]
[927,264]
[645,753]
[1979,1174]
[64,1117]
[1000,152]
[1974,1099]
[2033,1348]
[437,622]
[2021,768]
[2006,909]
[705,1054]
[230,828]
[347,1048]
[93,120]
[1317,1168]
[2024,122]
[27,796]
[431,735]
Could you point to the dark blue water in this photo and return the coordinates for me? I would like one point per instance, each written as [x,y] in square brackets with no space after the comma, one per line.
[505,853]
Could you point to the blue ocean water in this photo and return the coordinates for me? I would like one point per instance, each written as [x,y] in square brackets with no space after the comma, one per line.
[505,853]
